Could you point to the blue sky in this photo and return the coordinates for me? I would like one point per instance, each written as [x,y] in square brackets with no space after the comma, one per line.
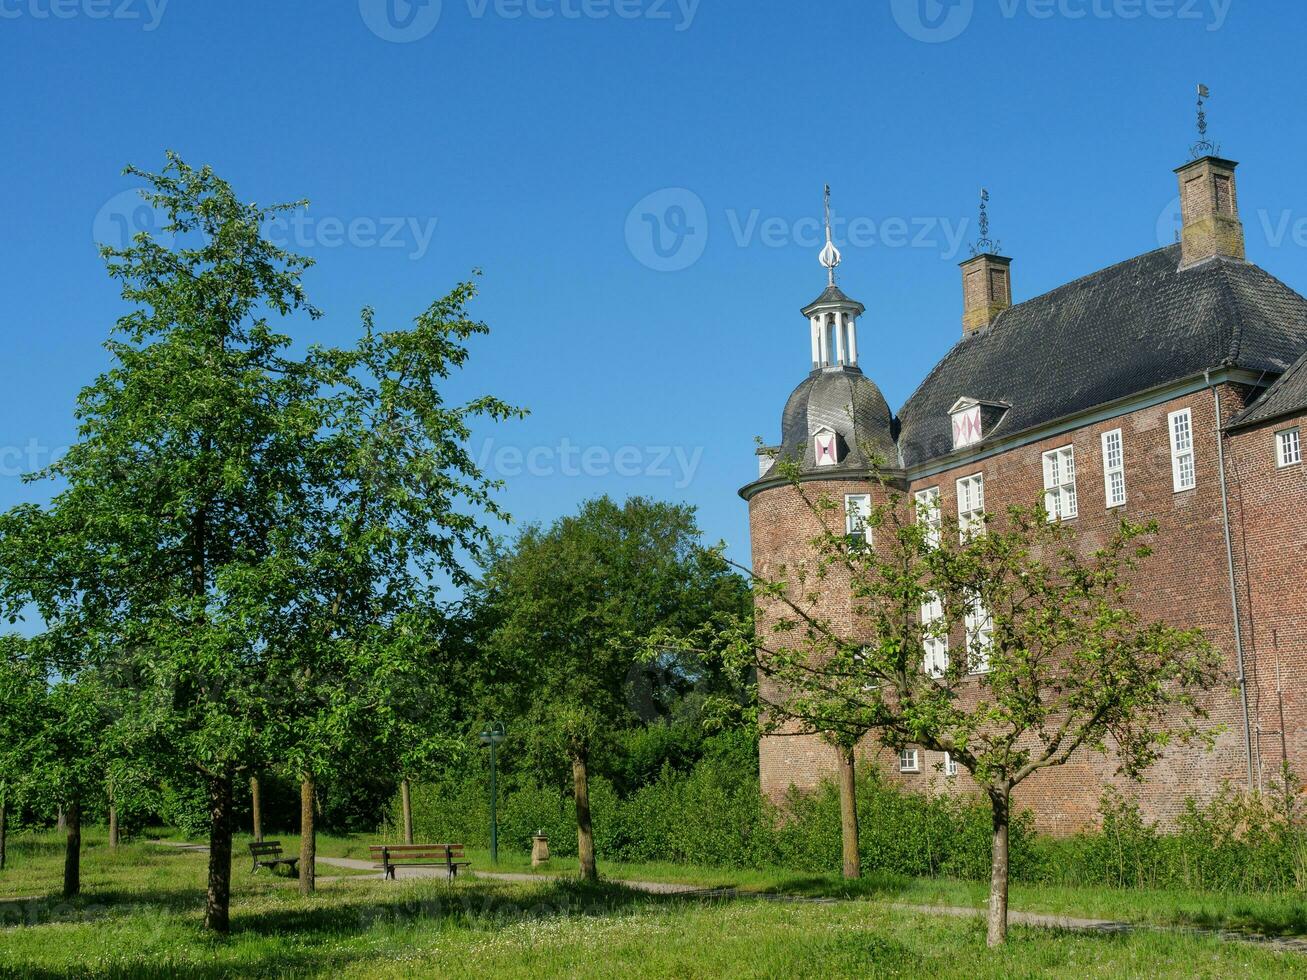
[547,141]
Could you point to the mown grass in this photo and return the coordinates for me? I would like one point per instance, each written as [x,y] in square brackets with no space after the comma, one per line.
[1269,913]
[140,917]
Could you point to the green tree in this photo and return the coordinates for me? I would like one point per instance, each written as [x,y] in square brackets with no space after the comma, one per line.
[156,552]
[572,606]
[1057,659]
[392,504]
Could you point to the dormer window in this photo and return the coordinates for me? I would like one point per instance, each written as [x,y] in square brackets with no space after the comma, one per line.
[974,420]
[825,447]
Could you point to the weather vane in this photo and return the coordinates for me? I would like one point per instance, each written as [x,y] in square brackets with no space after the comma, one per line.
[1204,146]
[984,243]
[830,255]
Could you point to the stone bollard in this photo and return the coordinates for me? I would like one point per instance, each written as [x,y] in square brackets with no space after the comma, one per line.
[539,849]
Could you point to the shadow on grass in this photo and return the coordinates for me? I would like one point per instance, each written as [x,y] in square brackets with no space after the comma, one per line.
[322,927]
[873,886]
[472,905]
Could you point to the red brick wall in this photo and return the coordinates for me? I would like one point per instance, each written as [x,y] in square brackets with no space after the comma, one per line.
[1185,583]
[1270,538]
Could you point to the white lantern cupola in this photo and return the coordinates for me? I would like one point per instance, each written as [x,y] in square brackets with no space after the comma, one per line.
[832,316]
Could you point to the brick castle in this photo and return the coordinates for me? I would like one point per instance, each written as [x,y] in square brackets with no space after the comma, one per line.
[1169,387]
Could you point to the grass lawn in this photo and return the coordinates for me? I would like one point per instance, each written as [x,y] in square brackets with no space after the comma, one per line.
[140,916]
[1270,914]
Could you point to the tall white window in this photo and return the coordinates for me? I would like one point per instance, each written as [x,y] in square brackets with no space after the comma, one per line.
[857,518]
[971,504]
[1060,483]
[909,761]
[950,765]
[980,635]
[1288,447]
[934,637]
[1114,468]
[928,513]
[1181,426]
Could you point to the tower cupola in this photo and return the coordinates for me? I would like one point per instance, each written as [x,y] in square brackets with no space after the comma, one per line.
[833,316]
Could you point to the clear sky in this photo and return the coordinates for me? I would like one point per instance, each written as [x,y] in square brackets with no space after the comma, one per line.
[548,142]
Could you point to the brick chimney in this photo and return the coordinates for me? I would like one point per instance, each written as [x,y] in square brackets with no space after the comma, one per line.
[1209,208]
[986,290]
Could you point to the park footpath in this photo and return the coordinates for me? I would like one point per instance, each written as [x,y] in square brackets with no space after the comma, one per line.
[1035,919]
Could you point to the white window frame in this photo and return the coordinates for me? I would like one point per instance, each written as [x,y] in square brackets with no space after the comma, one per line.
[979,623]
[909,760]
[971,504]
[1288,447]
[934,637]
[857,520]
[950,765]
[1060,484]
[1180,430]
[930,514]
[1114,492]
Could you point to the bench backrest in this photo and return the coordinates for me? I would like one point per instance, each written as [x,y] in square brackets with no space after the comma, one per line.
[434,852]
[265,847]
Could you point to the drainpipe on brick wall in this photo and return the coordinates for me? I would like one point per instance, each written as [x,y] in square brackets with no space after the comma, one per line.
[1234,589]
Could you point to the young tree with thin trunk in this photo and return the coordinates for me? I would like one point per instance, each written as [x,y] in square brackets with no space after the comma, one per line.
[392,503]
[406,809]
[256,807]
[852,855]
[1048,655]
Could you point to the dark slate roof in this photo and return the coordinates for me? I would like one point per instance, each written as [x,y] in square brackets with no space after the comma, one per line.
[832,294]
[1288,396]
[849,403]
[1118,332]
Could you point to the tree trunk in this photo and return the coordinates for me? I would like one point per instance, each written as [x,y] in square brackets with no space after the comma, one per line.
[849,815]
[308,837]
[1000,798]
[406,802]
[217,902]
[73,849]
[256,807]
[585,838]
[60,822]
[113,825]
[4,830]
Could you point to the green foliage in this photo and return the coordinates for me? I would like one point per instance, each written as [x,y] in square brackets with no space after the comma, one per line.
[571,605]
[714,816]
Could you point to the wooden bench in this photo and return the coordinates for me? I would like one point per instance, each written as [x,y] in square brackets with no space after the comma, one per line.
[267,854]
[392,856]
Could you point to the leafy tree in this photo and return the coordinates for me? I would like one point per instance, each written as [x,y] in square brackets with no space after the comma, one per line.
[392,503]
[572,605]
[23,693]
[156,552]
[1056,660]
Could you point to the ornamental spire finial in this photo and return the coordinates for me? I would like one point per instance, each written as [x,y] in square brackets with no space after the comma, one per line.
[984,244]
[1204,147]
[830,255]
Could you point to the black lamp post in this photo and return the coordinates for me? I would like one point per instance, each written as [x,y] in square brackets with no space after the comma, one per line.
[490,739]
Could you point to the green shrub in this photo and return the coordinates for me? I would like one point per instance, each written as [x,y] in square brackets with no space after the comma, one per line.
[714,815]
